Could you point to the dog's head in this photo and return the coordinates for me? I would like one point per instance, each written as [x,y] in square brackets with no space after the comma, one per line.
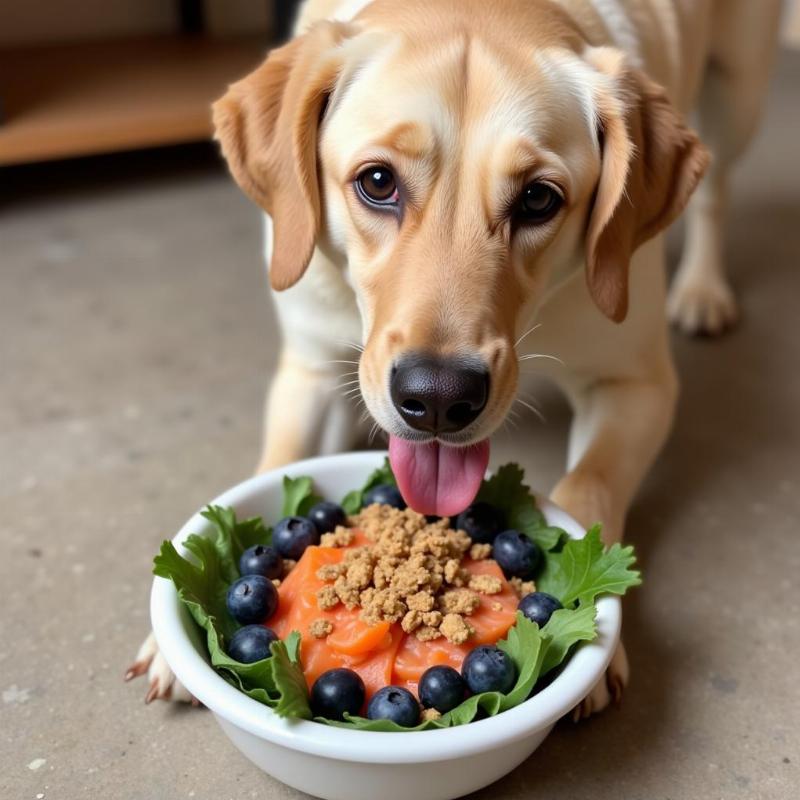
[463,158]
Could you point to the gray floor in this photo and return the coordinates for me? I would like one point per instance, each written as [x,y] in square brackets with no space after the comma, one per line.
[136,342]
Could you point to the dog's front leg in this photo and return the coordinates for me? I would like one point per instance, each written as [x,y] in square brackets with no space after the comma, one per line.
[618,429]
[308,410]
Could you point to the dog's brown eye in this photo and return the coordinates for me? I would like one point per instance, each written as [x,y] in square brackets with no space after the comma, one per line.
[539,202]
[377,186]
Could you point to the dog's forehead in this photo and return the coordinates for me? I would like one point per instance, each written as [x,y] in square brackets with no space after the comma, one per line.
[460,92]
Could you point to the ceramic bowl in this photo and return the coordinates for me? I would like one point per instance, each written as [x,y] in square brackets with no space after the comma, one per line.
[338,764]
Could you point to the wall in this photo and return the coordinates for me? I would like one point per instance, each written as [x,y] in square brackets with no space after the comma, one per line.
[42,21]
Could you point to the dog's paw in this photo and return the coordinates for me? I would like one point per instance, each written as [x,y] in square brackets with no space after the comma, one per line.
[163,685]
[608,689]
[705,307]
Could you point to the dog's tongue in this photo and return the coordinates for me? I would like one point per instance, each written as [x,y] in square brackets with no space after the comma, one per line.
[435,479]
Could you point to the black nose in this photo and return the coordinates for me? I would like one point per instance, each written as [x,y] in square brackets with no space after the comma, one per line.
[439,395]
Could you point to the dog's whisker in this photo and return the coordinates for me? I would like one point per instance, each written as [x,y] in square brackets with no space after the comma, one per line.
[373,433]
[353,345]
[353,382]
[510,422]
[527,333]
[337,361]
[532,408]
[531,356]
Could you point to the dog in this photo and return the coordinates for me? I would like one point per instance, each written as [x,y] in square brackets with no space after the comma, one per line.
[454,187]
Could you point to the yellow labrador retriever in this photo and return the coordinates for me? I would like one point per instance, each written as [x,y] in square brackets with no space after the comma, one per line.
[456,186]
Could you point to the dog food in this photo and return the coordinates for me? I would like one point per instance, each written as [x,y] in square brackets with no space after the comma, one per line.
[371,608]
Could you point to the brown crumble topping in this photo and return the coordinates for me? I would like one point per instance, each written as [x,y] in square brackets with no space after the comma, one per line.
[480,551]
[459,601]
[381,604]
[320,628]
[420,601]
[456,629]
[410,573]
[346,592]
[486,584]
[327,598]
[429,714]
[432,618]
[522,587]
[427,633]
[341,537]
[329,572]
[497,606]
[411,621]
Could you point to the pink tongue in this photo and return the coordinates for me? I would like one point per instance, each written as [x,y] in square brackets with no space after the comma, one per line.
[435,479]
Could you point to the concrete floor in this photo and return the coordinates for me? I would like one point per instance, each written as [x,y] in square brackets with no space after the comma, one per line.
[136,346]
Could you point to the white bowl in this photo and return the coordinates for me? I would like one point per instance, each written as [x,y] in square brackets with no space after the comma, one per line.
[338,764]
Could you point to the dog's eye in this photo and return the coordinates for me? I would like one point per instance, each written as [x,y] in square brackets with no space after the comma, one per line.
[538,203]
[377,186]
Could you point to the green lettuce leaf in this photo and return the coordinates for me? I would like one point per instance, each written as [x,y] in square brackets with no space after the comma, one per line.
[298,496]
[232,537]
[352,501]
[565,628]
[505,490]
[278,681]
[583,570]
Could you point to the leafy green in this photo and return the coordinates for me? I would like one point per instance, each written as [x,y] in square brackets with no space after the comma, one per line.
[278,681]
[505,490]
[298,496]
[352,501]
[565,628]
[201,586]
[583,570]
[232,537]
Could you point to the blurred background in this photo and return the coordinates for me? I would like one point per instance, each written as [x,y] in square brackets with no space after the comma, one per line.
[136,343]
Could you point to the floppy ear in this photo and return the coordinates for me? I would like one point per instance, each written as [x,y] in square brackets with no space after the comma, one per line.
[651,164]
[267,126]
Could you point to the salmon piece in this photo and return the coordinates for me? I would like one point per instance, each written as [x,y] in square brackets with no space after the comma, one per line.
[367,649]
[381,654]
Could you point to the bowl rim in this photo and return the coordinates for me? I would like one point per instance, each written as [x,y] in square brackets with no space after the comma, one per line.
[169,619]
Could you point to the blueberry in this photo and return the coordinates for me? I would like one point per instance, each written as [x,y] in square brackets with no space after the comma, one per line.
[386,495]
[292,535]
[261,559]
[441,688]
[251,599]
[336,692]
[326,516]
[488,669]
[481,522]
[538,607]
[516,554]
[251,643]
[395,704]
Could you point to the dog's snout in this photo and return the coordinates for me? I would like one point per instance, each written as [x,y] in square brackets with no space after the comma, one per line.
[439,395]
